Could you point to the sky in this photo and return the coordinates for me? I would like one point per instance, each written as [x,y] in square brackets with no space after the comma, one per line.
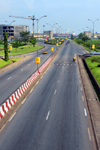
[71,15]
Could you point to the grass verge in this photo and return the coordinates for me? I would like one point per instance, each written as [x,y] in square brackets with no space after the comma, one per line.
[22,50]
[3,62]
[94,65]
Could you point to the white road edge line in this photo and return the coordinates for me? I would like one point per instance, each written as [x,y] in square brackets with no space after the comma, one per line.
[12,116]
[89,134]
[55,91]
[31,91]
[85,112]
[9,78]
[48,115]
[82,98]
[24,101]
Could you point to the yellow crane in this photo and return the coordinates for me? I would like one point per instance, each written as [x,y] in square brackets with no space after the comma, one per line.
[30,18]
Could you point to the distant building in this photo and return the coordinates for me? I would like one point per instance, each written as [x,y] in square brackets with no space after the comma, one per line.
[12,30]
[88,33]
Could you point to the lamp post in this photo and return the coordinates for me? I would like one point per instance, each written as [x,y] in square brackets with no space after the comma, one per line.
[37,29]
[93,31]
[52,25]
[37,34]
[43,33]
[9,34]
[90,38]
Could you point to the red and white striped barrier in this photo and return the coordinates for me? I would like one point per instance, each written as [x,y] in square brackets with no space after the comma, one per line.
[4,108]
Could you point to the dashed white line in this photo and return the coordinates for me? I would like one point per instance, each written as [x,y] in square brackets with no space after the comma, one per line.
[85,112]
[21,69]
[81,88]
[12,116]
[48,115]
[28,64]
[82,98]
[89,134]
[9,78]
[55,91]
[58,81]
[24,101]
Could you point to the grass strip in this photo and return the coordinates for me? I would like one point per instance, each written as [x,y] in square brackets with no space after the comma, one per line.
[3,62]
[22,50]
[94,65]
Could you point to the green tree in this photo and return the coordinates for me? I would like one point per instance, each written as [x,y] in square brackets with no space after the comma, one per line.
[6,47]
[16,44]
[25,36]
[72,37]
[1,42]
[33,40]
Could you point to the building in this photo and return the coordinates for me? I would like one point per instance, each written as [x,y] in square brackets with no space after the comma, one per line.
[88,33]
[12,30]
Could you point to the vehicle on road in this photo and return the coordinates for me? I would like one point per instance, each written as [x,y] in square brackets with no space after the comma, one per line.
[44,53]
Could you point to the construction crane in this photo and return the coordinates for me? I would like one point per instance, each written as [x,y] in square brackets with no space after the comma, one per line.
[33,18]
[39,30]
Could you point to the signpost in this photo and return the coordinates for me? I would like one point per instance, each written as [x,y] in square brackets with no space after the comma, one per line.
[38,61]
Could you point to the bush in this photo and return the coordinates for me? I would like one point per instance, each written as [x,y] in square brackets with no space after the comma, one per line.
[95,59]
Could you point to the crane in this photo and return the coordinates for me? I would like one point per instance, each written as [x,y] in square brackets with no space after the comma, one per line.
[39,30]
[33,18]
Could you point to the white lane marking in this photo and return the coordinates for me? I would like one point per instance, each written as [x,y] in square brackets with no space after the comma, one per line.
[85,112]
[80,81]
[24,101]
[12,116]
[37,82]
[81,88]
[89,134]
[31,91]
[82,98]
[58,81]
[33,61]
[9,78]
[21,69]
[48,115]
[67,64]
[28,64]
[55,91]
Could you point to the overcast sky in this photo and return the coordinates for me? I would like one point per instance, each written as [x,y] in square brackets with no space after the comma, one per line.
[69,14]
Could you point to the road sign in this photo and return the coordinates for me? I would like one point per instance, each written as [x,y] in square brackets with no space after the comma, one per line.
[37,60]
[10,48]
[51,48]
[93,46]
[56,44]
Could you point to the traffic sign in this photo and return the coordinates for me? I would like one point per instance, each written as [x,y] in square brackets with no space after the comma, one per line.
[37,60]
[93,46]
[51,48]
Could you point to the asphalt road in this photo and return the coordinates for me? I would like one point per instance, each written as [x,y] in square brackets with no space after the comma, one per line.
[12,79]
[54,115]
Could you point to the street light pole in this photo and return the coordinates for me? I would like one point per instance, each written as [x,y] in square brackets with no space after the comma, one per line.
[93,31]
[37,34]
